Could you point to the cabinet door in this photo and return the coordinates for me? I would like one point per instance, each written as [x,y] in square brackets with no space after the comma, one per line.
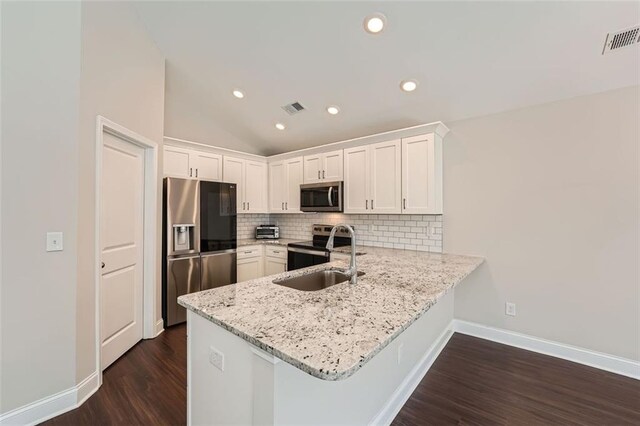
[294,178]
[176,162]
[421,176]
[332,166]
[249,269]
[277,187]
[233,172]
[256,187]
[274,265]
[356,180]
[207,166]
[312,168]
[385,186]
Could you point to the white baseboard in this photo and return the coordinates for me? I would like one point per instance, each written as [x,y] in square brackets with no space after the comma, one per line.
[54,405]
[602,361]
[159,328]
[413,379]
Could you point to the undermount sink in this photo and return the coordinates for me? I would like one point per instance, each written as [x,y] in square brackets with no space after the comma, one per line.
[316,280]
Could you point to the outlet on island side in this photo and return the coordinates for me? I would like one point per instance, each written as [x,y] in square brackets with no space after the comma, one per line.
[510,309]
[216,358]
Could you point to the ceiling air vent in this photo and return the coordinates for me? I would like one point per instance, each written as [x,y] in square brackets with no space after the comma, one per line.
[293,108]
[622,38]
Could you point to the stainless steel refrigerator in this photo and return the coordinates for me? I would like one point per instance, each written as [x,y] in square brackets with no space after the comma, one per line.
[199,241]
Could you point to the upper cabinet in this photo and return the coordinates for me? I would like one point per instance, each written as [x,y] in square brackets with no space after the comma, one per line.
[285,178]
[422,174]
[372,178]
[251,179]
[192,164]
[325,167]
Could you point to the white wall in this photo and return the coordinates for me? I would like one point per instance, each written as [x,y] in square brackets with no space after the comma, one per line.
[123,80]
[63,64]
[549,196]
[40,92]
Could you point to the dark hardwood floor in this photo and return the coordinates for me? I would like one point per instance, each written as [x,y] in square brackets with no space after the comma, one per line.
[473,381]
[146,386]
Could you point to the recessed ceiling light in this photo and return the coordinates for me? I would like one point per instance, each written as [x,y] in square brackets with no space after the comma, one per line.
[280,126]
[408,85]
[238,94]
[333,110]
[374,23]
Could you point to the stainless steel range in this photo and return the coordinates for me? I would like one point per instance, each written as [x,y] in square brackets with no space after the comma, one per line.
[314,252]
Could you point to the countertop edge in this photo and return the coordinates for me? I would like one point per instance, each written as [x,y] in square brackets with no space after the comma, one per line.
[329,376]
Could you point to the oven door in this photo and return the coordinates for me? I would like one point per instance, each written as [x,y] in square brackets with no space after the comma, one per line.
[321,197]
[301,258]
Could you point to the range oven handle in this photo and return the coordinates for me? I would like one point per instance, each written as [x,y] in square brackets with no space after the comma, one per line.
[305,251]
[329,196]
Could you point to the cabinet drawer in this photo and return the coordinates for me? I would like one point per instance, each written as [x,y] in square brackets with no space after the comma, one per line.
[249,251]
[276,251]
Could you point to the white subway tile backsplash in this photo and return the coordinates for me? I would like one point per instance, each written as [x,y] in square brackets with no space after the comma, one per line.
[392,231]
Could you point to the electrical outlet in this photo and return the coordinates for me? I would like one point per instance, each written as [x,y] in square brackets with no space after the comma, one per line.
[54,241]
[216,358]
[400,352]
[510,309]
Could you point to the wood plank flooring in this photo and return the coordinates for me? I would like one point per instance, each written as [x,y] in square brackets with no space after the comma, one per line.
[473,381]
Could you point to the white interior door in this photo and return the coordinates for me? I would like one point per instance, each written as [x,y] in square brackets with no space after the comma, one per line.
[122,250]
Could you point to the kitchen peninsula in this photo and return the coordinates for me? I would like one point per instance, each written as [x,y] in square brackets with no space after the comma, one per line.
[346,349]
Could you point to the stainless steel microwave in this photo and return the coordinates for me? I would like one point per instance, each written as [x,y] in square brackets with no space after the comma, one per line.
[321,197]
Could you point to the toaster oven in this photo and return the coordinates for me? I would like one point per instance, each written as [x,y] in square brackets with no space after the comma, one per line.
[267,232]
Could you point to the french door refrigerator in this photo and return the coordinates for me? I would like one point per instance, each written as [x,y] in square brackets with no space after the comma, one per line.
[199,241]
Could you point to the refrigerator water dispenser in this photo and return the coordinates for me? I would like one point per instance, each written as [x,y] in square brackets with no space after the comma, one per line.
[183,237]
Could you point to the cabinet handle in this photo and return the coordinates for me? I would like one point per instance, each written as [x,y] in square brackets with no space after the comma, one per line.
[196,172]
[248,252]
[318,174]
[190,171]
[323,174]
[404,203]
[282,205]
[371,204]
[248,208]
[366,206]
[243,205]
[103,265]
[286,206]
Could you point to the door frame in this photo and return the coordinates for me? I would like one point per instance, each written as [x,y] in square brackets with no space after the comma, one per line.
[150,221]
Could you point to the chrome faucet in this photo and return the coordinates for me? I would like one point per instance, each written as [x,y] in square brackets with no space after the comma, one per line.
[352,272]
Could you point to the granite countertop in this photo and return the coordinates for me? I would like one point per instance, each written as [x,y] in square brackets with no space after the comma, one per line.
[332,333]
[266,242]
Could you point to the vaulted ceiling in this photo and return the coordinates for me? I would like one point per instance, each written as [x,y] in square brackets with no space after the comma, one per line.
[470,59]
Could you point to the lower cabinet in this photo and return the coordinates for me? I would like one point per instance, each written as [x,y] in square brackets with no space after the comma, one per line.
[260,261]
[275,260]
[250,263]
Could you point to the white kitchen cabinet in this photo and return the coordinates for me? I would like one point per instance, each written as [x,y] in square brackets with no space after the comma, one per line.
[275,260]
[207,165]
[251,179]
[192,164]
[325,167]
[372,178]
[422,174]
[250,263]
[176,162]
[285,178]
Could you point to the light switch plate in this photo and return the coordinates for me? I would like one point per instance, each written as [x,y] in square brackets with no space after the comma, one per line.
[54,241]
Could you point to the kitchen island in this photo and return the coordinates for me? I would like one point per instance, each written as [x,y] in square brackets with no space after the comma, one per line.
[348,350]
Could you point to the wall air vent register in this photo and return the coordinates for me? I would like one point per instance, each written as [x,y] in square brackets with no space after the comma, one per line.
[622,38]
